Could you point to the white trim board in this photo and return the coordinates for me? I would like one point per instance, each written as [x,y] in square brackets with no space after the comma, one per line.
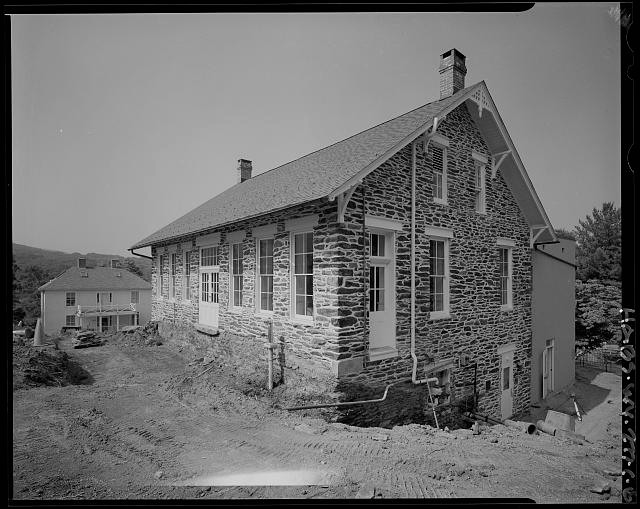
[436,231]
[507,348]
[479,157]
[301,224]
[382,222]
[266,231]
[187,246]
[236,237]
[208,240]
[502,241]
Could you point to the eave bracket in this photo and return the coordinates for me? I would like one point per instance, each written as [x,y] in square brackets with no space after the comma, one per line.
[343,200]
[536,231]
[497,160]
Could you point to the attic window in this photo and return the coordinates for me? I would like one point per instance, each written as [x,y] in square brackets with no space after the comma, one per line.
[84,274]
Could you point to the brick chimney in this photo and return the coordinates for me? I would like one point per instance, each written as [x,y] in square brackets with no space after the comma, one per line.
[452,72]
[82,263]
[244,170]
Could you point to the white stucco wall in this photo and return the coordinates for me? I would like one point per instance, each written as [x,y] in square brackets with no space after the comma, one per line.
[553,314]
[54,309]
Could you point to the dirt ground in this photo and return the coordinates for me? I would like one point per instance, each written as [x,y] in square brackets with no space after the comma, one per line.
[148,421]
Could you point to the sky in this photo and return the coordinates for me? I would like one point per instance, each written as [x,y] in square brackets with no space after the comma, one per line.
[123,123]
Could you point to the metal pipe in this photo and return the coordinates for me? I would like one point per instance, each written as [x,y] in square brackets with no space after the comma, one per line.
[350,403]
[547,428]
[140,255]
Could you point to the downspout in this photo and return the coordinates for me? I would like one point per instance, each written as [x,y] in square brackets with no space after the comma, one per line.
[140,255]
[364,270]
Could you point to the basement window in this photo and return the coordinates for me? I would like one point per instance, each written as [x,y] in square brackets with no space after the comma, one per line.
[70,321]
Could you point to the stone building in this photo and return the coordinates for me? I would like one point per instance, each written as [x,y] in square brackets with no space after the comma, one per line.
[402,252]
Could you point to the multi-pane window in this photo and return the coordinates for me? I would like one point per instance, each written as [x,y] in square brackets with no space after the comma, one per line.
[174,267]
[377,244]
[480,188]
[303,274]
[236,274]
[376,288]
[505,278]
[438,277]
[209,256]
[135,297]
[439,161]
[71,299]
[187,275]
[70,320]
[209,287]
[161,274]
[265,274]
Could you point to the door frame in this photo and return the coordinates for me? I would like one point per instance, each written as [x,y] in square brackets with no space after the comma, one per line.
[389,263]
[548,364]
[507,359]
[209,269]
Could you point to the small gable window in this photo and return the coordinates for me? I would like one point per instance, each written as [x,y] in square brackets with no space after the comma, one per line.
[480,189]
[439,154]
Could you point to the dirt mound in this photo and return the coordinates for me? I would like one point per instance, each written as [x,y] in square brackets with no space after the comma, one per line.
[138,335]
[39,366]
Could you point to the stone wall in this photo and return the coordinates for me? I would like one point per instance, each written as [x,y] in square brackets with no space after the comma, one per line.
[337,338]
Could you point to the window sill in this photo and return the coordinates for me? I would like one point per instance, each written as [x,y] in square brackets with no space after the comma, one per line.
[302,320]
[438,201]
[264,313]
[506,309]
[234,309]
[386,352]
[439,315]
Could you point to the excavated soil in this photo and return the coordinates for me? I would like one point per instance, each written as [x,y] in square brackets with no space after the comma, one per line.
[168,421]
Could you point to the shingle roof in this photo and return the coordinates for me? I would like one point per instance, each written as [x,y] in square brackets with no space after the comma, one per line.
[98,278]
[306,179]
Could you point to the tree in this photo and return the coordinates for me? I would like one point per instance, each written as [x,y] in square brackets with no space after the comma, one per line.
[599,240]
[29,279]
[597,310]
[131,266]
[565,234]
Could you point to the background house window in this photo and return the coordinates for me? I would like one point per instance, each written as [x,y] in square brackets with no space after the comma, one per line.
[439,158]
[70,321]
[187,275]
[265,271]
[71,299]
[480,189]
[506,269]
[438,277]
[135,297]
[236,274]
[209,256]
[174,265]
[303,274]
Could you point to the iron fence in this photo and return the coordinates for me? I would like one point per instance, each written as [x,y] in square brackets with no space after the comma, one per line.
[606,358]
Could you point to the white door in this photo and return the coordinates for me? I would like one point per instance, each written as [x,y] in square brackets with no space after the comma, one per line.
[208,302]
[382,320]
[506,385]
[547,369]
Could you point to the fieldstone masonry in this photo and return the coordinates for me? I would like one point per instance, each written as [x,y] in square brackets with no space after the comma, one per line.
[337,339]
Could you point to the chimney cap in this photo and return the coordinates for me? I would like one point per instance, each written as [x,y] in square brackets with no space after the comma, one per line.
[454,51]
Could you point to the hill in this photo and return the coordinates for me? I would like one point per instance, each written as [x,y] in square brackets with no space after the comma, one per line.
[56,262]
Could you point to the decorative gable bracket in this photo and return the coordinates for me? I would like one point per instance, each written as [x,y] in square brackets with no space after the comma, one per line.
[536,231]
[343,200]
[496,162]
[481,100]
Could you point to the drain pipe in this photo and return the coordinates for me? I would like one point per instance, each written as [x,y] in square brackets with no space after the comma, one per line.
[350,403]
[414,377]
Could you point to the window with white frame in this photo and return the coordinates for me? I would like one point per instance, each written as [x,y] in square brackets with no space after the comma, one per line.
[480,190]
[135,297]
[187,275]
[161,276]
[265,275]
[173,273]
[380,263]
[303,275]
[71,299]
[439,277]
[506,277]
[236,275]
[209,256]
[70,321]
[439,164]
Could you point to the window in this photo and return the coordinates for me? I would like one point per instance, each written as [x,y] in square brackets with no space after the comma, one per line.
[480,190]
[187,275]
[70,321]
[376,288]
[303,274]
[265,274]
[506,269]
[236,275]
[135,297]
[209,256]
[439,161]
[439,278]
[173,269]
[381,255]
[161,274]
[209,287]
[71,299]
[506,374]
